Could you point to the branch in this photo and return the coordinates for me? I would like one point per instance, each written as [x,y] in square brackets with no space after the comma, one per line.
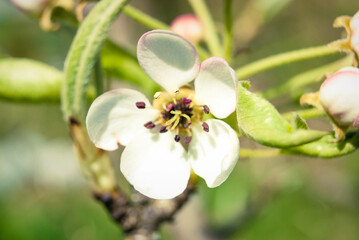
[142,217]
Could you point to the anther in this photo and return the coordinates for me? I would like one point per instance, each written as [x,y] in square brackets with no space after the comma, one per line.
[149,125]
[177,138]
[206,109]
[164,115]
[187,140]
[205,127]
[163,129]
[186,100]
[169,106]
[140,105]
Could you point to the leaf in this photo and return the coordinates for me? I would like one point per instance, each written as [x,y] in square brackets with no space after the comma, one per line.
[29,81]
[298,122]
[82,55]
[326,147]
[121,64]
[260,121]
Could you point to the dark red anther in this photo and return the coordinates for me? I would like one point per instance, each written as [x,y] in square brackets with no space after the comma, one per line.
[140,105]
[187,140]
[169,106]
[177,138]
[163,129]
[206,109]
[149,125]
[205,127]
[164,115]
[186,100]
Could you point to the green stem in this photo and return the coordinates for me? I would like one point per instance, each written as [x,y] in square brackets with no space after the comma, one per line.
[143,18]
[305,113]
[153,23]
[201,10]
[296,83]
[282,59]
[98,74]
[258,153]
[228,38]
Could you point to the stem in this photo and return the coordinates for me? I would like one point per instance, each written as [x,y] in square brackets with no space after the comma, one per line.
[258,153]
[153,23]
[201,10]
[98,74]
[294,84]
[143,18]
[282,59]
[228,38]
[306,113]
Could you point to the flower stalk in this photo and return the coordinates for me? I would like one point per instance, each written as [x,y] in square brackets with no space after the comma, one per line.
[282,59]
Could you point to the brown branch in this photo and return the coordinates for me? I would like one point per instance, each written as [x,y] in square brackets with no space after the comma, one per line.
[141,217]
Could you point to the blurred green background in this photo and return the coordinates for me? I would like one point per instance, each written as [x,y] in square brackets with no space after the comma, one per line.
[44,196]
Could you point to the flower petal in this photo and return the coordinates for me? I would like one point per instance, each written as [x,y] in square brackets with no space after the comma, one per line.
[213,154]
[156,165]
[216,87]
[114,119]
[170,60]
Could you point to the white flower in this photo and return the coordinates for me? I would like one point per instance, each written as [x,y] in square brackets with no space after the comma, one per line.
[164,141]
[339,95]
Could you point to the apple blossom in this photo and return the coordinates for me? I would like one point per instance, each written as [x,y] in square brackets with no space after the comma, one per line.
[167,139]
[339,97]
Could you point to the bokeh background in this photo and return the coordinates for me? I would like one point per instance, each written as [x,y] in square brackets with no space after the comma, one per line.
[44,196]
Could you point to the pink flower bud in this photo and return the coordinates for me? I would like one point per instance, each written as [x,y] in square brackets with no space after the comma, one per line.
[189,27]
[33,7]
[339,95]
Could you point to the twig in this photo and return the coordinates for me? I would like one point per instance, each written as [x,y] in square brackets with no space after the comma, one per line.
[141,217]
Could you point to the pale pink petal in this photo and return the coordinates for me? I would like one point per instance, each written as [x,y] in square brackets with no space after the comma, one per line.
[156,165]
[168,59]
[215,87]
[114,119]
[213,154]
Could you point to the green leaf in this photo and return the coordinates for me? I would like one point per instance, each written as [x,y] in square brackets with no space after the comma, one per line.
[82,55]
[27,80]
[121,64]
[326,147]
[260,121]
[298,122]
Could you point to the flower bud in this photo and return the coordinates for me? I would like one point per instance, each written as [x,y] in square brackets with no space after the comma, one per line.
[354,33]
[33,7]
[339,95]
[189,27]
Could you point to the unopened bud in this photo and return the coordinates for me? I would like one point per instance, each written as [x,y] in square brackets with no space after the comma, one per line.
[354,33]
[189,27]
[33,7]
[339,95]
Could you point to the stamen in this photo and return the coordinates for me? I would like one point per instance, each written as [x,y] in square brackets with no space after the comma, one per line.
[205,127]
[163,129]
[205,109]
[169,107]
[164,115]
[149,125]
[186,125]
[187,140]
[157,95]
[140,105]
[177,138]
[186,100]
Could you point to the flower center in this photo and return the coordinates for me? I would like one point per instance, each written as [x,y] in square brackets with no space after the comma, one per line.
[178,113]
